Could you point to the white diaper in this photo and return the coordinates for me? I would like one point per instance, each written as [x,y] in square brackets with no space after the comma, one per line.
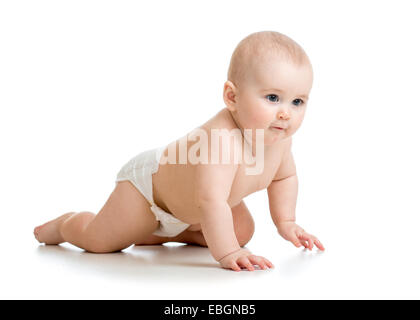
[139,172]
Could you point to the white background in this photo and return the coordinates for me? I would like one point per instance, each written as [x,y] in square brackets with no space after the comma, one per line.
[86,85]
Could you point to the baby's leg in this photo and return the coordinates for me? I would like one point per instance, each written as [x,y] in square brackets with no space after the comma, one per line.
[123,220]
[243,224]
[189,237]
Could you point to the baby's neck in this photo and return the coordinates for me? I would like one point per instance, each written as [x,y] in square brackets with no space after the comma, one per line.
[252,146]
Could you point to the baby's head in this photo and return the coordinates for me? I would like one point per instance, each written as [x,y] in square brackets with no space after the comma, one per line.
[269,81]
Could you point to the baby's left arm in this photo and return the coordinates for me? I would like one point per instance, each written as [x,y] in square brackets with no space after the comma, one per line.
[282,196]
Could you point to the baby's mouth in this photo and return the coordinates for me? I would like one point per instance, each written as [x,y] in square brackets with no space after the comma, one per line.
[277,128]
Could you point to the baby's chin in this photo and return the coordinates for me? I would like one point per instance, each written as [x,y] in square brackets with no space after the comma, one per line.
[272,136]
[272,141]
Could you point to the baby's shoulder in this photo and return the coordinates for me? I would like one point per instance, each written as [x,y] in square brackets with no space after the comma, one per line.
[221,121]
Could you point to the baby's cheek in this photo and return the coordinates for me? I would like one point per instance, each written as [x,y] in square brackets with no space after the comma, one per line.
[297,122]
[255,116]
[260,118]
[247,121]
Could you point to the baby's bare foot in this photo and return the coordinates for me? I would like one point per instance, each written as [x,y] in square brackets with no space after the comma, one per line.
[49,233]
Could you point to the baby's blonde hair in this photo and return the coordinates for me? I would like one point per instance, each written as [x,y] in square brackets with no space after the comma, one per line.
[260,46]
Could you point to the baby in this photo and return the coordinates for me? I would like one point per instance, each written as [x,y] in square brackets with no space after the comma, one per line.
[193,192]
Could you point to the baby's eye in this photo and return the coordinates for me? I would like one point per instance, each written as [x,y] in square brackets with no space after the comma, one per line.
[298,102]
[274,96]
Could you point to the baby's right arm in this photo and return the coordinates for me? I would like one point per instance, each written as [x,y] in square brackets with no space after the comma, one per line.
[213,184]
[212,190]
[217,226]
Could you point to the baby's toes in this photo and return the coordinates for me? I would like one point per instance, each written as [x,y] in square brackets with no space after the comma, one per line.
[37,231]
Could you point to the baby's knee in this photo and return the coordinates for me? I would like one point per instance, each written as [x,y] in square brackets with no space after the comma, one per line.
[93,246]
[243,223]
[245,232]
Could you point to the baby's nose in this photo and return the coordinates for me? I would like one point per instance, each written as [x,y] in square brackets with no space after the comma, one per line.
[283,115]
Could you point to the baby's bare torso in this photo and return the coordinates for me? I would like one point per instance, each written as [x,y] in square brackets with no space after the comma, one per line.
[173,184]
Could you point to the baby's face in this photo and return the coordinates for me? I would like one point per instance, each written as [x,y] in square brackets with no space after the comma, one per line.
[274,99]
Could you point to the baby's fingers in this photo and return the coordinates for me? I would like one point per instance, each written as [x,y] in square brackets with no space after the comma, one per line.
[245,263]
[304,243]
[306,237]
[296,241]
[260,261]
[233,265]
[311,240]
[319,244]
[268,263]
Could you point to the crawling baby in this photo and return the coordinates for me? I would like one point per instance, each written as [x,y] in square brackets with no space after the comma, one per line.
[192,189]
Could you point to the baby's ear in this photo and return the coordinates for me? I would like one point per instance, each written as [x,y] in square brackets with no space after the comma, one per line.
[229,95]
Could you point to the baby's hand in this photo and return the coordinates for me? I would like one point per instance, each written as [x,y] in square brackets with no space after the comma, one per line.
[244,258]
[296,235]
